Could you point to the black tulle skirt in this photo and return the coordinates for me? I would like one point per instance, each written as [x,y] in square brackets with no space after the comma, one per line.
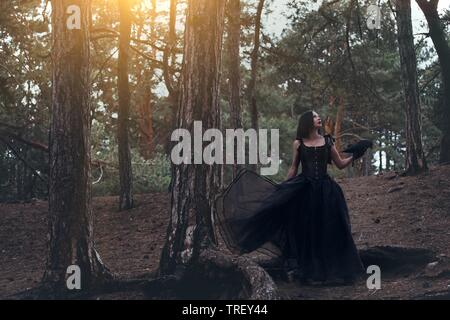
[305,218]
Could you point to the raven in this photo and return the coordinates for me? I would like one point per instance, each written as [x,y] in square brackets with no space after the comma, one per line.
[359,148]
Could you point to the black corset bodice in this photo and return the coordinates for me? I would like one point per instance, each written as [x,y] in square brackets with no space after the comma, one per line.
[314,160]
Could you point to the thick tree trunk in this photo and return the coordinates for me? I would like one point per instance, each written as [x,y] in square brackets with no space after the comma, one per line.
[125,170]
[415,158]
[254,68]
[439,38]
[70,214]
[234,69]
[194,186]
[191,253]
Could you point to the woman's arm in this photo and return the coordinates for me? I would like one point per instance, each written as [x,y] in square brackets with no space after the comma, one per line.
[295,160]
[338,161]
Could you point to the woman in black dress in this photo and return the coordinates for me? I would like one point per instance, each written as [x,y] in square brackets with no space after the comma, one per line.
[306,216]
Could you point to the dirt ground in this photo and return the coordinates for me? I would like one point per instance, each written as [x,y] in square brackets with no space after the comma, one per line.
[386,210]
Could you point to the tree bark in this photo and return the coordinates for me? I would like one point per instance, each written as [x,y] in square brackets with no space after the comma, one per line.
[70,215]
[338,124]
[191,248]
[172,87]
[145,109]
[388,144]
[395,144]
[171,40]
[380,156]
[125,170]
[146,120]
[168,62]
[439,38]
[234,69]
[415,159]
[194,186]
[254,68]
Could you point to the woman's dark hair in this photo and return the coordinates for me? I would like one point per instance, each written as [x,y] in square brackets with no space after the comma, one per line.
[305,124]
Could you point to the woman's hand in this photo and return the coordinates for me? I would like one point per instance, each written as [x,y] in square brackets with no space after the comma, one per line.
[291,173]
[338,161]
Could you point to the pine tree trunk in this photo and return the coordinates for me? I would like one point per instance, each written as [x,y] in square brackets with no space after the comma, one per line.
[388,144]
[172,88]
[191,245]
[251,94]
[70,214]
[146,122]
[415,158]
[169,49]
[125,170]
[439,38]
[254,68]
[338,123]
[168,63]
[194,186]
[395,166]
[234,70]
[380,164]
[145,109]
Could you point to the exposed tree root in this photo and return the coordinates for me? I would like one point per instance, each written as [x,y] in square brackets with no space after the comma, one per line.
[257,285]
[216,275]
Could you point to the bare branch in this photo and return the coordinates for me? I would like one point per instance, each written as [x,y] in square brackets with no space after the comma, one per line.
[111,33]
[34,144]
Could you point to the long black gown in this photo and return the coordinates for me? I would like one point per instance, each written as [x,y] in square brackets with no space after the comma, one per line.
[306,217]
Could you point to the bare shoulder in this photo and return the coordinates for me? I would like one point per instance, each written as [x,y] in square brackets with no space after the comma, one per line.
[296,144]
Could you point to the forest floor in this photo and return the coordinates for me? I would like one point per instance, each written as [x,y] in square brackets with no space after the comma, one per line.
[386,211]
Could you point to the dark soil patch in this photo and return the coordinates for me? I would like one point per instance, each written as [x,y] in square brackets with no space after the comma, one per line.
[388,213]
